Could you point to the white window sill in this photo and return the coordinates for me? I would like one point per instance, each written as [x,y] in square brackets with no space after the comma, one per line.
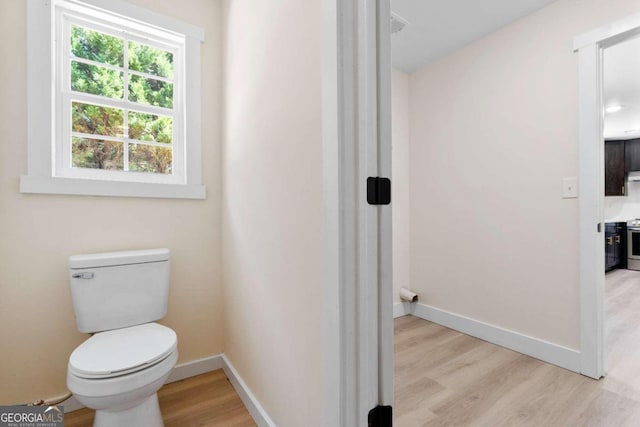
[89,187]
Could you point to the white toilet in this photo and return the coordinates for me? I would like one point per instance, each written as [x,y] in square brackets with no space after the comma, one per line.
[118,371]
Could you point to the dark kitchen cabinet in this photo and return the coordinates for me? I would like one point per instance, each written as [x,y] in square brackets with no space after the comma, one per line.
[615,153]
[615,245]
[631,155]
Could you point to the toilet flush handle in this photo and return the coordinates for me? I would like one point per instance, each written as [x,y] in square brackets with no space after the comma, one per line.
[83,275]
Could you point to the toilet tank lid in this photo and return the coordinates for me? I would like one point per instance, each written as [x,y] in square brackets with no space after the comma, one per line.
[108,259]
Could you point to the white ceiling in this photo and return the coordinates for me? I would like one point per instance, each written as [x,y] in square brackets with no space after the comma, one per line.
[438,27]
[622,87]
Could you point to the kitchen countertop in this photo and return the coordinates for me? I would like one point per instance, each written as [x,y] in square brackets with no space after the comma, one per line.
[610,220]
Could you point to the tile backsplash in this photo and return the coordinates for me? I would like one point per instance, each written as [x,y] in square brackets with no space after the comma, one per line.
[623,208]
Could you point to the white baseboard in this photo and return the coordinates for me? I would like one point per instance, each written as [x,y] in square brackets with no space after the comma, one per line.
[196,367]
[201,366]
[534,347]
[252,404]
[402,309]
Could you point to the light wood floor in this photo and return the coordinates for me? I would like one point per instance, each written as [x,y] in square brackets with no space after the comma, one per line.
[445,378]
[205,400]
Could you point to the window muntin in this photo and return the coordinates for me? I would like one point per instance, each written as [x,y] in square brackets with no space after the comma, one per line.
[120,103]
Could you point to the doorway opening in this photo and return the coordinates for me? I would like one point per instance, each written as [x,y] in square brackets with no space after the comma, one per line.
[588,354]
[621,139]
[607,151]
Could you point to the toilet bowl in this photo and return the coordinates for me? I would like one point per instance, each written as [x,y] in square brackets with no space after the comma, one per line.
[119,369]
[118,373]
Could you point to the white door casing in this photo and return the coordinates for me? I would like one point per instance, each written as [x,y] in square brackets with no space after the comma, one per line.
[591,189]
[385,260]
[358,324]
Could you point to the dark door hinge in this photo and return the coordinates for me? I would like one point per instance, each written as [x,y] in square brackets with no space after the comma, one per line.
[381,416]
[378,191]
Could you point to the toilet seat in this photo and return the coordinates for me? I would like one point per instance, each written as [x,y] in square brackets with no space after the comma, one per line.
[122,351]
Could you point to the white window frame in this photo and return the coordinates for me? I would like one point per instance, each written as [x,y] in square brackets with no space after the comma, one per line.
[65,19]
[47,37]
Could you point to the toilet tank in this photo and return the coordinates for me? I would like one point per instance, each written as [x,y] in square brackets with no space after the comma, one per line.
[119,289]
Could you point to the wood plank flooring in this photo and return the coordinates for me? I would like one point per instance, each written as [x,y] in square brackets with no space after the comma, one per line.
[446,378]
[205,400]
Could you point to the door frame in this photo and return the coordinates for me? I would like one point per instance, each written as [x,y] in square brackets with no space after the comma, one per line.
[589,47]
[357,324]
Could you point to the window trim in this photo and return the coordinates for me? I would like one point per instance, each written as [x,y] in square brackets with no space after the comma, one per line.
[41,121]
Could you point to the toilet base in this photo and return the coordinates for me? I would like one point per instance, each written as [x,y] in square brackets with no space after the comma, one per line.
[146,414]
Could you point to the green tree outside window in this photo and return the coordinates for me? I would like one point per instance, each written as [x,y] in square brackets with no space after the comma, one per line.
[98,68]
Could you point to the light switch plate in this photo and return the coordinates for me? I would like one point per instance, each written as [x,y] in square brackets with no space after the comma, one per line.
[570,188]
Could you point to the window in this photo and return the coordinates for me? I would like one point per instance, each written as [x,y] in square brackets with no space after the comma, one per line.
[121,119]
[120,104]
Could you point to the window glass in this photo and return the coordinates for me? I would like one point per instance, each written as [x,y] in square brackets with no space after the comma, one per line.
[150,127]
[150,60]
[147,158]
[150,91]
[97,46]
[97,120]
[96,80]
[114,137]
[97,154]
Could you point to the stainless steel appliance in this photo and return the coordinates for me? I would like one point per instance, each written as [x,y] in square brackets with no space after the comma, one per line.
[633,244]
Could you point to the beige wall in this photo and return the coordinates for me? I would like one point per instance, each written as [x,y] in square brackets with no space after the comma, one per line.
[272,204]
[39,232]
[494,129]
[400,179]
